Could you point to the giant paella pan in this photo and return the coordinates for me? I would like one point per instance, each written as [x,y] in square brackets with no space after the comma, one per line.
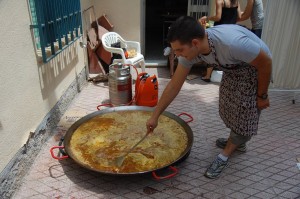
[97,139]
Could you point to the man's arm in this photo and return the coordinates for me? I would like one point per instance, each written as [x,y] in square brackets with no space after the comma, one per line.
[263,64]
[170,92]
[216,17]
[239,12]
[248,10]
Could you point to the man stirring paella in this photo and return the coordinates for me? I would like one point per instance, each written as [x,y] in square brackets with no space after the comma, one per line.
[246,64]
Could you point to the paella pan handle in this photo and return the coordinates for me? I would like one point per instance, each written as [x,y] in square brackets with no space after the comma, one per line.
[166,177]
[99,106]
[191,118]
[56,157]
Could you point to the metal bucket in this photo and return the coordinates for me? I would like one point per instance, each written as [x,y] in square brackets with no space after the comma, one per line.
[120,84]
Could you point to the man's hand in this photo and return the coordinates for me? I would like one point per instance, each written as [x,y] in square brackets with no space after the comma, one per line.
[262,103]
[151,124]
[203,20]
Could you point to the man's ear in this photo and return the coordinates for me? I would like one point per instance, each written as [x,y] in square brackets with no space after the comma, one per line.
[195,42]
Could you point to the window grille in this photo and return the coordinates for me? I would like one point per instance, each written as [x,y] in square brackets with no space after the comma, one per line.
[56,24]
[198,8]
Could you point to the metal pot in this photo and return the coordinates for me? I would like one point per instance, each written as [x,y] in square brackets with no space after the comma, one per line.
[180,121]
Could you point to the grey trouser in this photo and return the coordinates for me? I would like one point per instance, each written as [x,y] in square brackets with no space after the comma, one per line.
[237,139]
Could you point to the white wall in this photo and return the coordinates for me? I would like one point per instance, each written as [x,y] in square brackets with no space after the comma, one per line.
[28,90]
[281,34]
[124,15]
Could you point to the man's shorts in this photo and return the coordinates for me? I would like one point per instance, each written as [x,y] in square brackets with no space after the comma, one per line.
[237,139]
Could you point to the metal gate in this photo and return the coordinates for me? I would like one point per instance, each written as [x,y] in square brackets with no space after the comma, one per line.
[198,8]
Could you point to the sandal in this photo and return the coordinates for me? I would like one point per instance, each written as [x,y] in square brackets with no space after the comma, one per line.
[206,80]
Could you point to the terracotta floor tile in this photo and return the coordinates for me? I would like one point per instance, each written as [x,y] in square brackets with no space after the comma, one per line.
[267,170]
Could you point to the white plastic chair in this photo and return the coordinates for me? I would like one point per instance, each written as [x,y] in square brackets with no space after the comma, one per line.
[112,38]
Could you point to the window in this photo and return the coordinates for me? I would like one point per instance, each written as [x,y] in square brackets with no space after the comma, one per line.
[198,8]
[56,24]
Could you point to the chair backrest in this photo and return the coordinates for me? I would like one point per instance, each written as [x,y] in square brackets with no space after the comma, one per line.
[111,38]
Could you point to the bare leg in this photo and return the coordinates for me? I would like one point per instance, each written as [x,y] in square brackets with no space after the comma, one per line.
[229,148]
[208,73]
[171,61]
[217,166]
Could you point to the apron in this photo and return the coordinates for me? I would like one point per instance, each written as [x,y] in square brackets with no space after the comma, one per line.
[237,99]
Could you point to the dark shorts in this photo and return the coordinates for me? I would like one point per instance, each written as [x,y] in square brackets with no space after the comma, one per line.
[237,139]
[257,32]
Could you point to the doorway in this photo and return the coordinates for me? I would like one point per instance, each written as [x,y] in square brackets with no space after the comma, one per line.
[159,15]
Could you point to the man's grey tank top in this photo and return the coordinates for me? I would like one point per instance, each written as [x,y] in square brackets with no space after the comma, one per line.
[257,15]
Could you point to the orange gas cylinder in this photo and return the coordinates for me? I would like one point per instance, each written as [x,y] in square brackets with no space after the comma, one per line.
[146,88]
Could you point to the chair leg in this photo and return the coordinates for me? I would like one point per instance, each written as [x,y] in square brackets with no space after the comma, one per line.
[142,64]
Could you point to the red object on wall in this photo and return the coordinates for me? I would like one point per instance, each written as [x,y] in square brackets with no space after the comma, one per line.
[98,56]
[104,21]
[93,61]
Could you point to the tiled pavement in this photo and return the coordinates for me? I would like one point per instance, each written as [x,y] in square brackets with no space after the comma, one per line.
[267,170]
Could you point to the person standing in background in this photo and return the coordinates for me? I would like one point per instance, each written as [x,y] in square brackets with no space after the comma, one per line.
[255,11]
[227,12]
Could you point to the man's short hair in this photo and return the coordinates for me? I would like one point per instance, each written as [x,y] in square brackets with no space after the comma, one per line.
[185,29]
